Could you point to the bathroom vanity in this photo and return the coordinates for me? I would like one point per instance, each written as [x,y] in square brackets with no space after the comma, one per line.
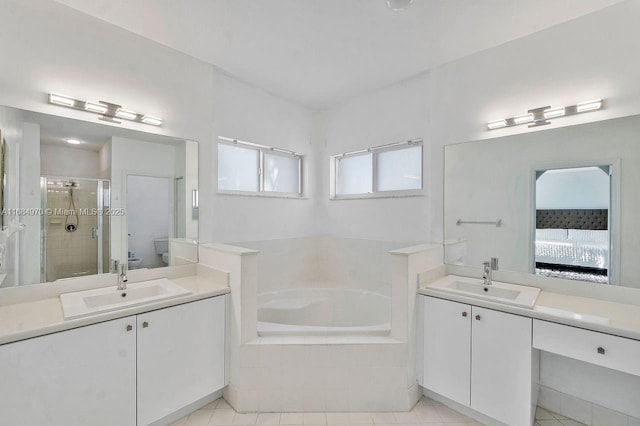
[485,355]
[136,365]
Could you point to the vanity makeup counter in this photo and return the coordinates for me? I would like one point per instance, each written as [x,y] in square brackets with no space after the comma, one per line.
[493,348]
[614,318]
[37,317]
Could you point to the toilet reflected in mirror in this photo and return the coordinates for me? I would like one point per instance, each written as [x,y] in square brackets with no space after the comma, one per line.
[149,220]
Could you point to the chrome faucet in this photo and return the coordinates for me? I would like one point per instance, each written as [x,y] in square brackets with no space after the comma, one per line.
[487,270]
[122,277]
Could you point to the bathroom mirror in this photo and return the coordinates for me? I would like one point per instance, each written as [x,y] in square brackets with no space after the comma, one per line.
[557,202]
[79,196]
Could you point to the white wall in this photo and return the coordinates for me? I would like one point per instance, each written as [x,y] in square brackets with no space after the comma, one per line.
[584,188]
[246,113]
[393,114]
[73,162]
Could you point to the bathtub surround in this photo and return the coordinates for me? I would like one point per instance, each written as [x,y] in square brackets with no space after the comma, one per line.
[311,373]
[324,261]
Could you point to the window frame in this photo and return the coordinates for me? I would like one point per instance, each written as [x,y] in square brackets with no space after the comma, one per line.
[376,193]
[262,149]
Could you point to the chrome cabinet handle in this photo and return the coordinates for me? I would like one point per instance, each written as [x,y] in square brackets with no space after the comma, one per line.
[129,327]
[477,317]
[464,314]
[145,324]
[601,350]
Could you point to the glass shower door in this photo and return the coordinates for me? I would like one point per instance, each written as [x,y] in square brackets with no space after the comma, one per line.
[75,237]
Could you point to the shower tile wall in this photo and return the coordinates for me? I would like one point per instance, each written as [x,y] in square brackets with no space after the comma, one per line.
[70,254]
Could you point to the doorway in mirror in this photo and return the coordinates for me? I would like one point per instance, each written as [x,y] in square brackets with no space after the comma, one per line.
[149,221]
[572,223]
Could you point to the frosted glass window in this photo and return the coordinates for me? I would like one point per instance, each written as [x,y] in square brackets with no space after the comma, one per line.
[281,173]
[238,168]
[400,169]
[355,175]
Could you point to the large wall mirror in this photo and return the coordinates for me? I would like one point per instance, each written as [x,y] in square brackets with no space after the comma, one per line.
[560,202]
[78,196]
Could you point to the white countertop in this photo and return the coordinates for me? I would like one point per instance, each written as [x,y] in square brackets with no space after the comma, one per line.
[31,319]
[615,318]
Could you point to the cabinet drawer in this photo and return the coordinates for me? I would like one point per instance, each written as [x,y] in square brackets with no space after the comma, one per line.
[602,349]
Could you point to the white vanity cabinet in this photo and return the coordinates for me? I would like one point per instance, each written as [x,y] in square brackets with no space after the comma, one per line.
[447,349]
[126,372]
[180,356]
[479,358]
[84,376]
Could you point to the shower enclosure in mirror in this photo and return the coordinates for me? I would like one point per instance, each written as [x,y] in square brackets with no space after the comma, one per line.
[75,227]
[68,190]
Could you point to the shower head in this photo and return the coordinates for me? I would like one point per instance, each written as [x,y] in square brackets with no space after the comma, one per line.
[70,184]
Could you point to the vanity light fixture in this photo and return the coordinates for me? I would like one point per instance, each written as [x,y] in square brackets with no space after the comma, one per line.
[497,124]
[99,108]
[126,114]
[521,119]
[74,141]
[106,110]
[61,100]
[589,105]
[541,116]
[154,121]
[554,112]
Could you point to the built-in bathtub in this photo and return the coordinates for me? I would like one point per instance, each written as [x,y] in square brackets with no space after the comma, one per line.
[323,311]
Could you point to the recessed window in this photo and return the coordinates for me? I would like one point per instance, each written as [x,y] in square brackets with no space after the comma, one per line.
[388,170]
[249,168]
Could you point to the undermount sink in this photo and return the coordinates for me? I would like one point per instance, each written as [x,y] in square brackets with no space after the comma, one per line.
[90,302]
[509,294]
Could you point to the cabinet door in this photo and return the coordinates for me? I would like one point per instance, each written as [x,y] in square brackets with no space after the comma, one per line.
[501,366]
[84,376]
[447,348]
[180,356]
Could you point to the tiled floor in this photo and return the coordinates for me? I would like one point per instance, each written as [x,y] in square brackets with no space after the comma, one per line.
[547,418]
[426,412]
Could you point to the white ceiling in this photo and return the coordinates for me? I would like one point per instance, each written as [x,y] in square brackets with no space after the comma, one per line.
[319,52]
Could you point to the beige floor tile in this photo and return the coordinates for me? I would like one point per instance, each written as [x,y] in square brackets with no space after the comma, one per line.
[200,417]
[450,416]
[548,423]
[428,414]
[315,418]
[222,403]
[360,418]
[222,416]
[383,418]
[406,417]
[268,419]
[542,414]
[337,418]
[245,419]
[292,419]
